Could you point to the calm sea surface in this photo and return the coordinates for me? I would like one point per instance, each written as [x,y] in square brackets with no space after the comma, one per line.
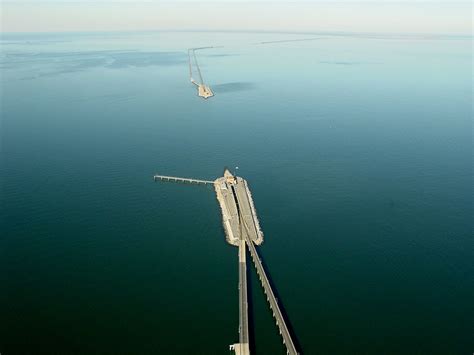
[358,152]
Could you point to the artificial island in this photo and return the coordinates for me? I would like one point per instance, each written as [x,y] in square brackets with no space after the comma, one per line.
[242,229]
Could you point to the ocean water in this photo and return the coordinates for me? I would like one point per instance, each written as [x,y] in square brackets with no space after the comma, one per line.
[358,152]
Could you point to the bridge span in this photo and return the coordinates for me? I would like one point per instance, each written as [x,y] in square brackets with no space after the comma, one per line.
[272,301]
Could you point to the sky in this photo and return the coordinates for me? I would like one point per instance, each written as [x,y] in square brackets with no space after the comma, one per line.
[374,16]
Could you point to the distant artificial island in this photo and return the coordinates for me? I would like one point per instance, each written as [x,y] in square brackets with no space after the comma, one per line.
[242,229]
[204,91]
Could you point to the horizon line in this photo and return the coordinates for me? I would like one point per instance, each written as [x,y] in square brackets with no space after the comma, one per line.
[326,33]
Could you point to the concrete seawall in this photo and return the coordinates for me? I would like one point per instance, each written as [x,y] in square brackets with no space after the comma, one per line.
[259,240]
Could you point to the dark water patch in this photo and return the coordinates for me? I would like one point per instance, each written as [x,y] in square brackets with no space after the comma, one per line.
[234,87]
[29,43]
[291,40]
[111,98]
[47,64]
[39,56]
[340,62]
[221,55]
[144,59]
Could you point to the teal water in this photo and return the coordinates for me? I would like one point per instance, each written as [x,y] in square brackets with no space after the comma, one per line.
[358,152]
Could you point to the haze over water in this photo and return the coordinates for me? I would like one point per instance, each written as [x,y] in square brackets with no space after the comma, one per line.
[357,151]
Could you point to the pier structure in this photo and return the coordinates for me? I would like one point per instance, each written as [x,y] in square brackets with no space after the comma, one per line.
[242,229]
[180,179]
[204,91]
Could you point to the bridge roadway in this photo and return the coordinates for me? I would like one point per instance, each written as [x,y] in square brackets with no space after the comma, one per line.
[243,346]
[197,67]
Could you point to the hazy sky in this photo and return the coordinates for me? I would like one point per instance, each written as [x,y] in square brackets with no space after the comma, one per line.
[378,16]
